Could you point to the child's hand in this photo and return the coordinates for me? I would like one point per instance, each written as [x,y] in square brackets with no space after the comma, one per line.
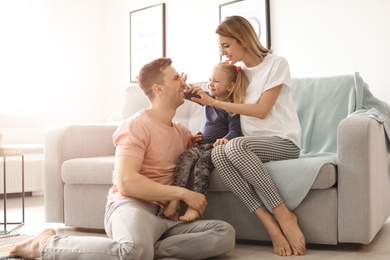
[220,141]
[196,138]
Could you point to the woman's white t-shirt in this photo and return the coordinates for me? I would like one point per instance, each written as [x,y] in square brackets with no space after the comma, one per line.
[282,121]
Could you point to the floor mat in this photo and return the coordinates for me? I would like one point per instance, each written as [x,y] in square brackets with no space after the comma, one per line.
[8,241]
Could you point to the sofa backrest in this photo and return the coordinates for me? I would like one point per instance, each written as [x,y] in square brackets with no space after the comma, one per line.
[189,114]
[322,102]
[134,101]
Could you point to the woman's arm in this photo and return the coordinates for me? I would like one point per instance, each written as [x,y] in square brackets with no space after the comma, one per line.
[259,110]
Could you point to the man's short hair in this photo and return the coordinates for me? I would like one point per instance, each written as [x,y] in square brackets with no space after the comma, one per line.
[152,73]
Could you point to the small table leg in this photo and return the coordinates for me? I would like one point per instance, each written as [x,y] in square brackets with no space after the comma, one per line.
[5,194]
[19,224]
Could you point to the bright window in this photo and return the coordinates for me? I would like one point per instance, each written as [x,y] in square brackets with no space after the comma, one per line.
[21,57]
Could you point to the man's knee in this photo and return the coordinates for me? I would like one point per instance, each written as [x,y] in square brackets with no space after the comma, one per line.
[142,250]
[227,236]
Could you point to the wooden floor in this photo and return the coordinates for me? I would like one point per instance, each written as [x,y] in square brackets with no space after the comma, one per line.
[379,248]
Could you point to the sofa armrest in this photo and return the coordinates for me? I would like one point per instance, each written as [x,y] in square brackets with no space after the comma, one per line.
[64,142]
[363,179]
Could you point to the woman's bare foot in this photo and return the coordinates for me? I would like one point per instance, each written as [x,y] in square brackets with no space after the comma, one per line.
[172,210]
[31,248]
[280,244]
[190,215]
[289,225]
[279,241]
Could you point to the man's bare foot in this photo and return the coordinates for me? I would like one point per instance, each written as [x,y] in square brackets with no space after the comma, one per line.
[190,215]
[31,248]
[172,210]
[294,235]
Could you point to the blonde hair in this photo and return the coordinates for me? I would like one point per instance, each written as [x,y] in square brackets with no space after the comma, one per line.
[241,29]
[239,80]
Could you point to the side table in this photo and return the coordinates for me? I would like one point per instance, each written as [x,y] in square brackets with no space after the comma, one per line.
[15,150]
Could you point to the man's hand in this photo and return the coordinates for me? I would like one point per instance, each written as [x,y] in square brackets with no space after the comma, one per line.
[196,138]
[196,201]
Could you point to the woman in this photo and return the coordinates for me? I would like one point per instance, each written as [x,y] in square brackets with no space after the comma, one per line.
[271,130]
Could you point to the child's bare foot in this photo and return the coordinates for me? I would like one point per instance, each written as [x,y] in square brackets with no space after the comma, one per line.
[294,235]
[172,210]
[190,215]
[31,248]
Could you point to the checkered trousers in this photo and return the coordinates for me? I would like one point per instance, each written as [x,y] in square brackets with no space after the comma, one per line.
[240,164]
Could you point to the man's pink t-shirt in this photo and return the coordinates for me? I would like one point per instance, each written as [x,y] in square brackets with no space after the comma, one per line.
[156,144]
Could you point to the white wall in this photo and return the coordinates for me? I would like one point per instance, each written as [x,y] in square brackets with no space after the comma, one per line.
[51,65]
[318,37]
[73,47]
[329,37]
[190,40]
[84,56]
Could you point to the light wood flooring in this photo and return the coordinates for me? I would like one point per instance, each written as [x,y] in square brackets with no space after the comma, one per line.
[379,248]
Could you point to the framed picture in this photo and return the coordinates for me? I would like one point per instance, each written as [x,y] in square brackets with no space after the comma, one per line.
[256,11]
[147,37]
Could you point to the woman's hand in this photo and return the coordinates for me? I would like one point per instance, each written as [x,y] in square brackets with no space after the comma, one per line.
[184,79]
[204,98]
[220,141]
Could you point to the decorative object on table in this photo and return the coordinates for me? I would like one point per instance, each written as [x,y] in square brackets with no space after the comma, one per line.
[147,37]
[1,138]
[256,11]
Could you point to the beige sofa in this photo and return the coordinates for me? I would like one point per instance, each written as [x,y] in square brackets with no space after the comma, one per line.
[348,201]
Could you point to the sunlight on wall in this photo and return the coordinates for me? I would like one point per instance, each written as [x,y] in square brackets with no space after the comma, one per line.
[22,89]
[52,59]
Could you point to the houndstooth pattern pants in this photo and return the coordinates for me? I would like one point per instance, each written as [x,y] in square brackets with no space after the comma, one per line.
[240,164]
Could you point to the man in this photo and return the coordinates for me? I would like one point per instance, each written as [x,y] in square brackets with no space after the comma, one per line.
[147,147]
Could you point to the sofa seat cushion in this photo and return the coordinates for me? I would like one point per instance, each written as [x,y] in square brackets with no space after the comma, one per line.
[326,176]
[94,170]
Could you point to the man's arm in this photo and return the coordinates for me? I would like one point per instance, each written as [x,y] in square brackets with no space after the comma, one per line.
[132,184]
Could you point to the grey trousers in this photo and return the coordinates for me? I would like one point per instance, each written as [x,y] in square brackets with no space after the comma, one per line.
[135,232]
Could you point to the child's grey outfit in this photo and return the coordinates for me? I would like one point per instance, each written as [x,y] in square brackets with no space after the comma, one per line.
[216,124]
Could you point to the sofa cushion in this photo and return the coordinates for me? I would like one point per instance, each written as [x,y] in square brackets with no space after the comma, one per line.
[326,178]
[94,170]
[98,170]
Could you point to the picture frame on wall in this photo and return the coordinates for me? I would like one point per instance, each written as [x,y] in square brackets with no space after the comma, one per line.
[256,11]
[147,37]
